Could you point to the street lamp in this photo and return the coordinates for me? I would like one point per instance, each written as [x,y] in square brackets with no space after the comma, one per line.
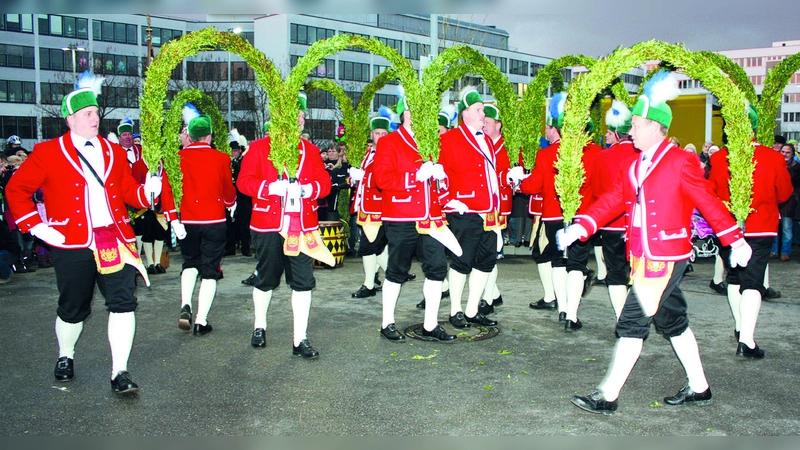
[230,102]
[73,48]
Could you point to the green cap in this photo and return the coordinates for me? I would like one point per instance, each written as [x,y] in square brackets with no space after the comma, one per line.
[302,101]
[200,126]
[77,100]
[492,112]
[444,121]
[752,115]
[379,122]
[660,113]
[125,125]
[652,104]
[469,98]
[266,127]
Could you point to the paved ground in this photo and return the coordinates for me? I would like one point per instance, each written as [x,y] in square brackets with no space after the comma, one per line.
[517,383]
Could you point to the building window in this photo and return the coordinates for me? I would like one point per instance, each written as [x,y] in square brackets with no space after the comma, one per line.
[320,129]
[396,44]
[321,99]
[535,68]
[384,100]
[517,67]
[17,56]
[242,71]
[17,22]
[53,93]
[355,97]
[53,127]
[17,91]
[356,49]
[244,100]
[160,36]
[24,127]
[307,35]
[353,71]
[500,62]
[415,50]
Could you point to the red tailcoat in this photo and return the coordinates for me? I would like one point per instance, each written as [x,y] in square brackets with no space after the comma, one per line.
[772,184]
[258,172]
[543,180]
[607,165]
[469,171]
[368,197]
[395,169]
[669,191]
[207,186]
[55,167]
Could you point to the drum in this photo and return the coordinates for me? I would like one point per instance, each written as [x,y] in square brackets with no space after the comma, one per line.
[332,233]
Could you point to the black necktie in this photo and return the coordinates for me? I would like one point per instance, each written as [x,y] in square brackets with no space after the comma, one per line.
[479,133]
[88,144]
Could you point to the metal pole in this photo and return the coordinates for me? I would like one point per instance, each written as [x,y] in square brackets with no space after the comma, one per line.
[229,91]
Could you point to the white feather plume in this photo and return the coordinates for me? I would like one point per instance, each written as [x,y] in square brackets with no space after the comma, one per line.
[189,112]
[450,110]
[618,114]
[662,87]
[233,135]
[89,80]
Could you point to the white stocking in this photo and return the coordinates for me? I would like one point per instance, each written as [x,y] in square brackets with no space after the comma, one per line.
[208,289]
[685,346]
[546,277]
[121,328]
[626,353]
[261,301]
[301,309]
[390,294]
[749,309]
[457,282]
[432,291]
[67,334]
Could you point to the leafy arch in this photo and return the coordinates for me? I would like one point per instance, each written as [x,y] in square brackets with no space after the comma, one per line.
[584,89]
[736,72]
[154,98]
[344,102]
[172,127]
[435,77]
[774,85]
[361,129]
[284,132]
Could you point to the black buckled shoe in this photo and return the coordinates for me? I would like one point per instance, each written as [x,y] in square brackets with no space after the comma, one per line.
[485,308]
[377,282]
[595,403]
[687,395]
[720,288]
[458,320]
[363,292]
[437,334]
[541,304]
[562,317]
[201,330]
[251,280]
[65,370]
[772,293]
[185,319]
[571,326]
[391,333]
[482,320]
[411,276]
[151,269]
[496,302]
[160,269]
[122,383]
[421,305]
[744,351]
[305,350]
[600,282]
[258,340]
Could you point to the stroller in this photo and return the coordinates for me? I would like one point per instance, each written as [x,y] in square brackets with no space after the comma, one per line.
[703,242]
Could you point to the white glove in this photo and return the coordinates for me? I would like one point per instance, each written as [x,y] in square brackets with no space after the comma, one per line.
[425,171]
[179,229]
[740,253]
[458,205]
[356,174]
[232,209]
[293,191]
[152,186]
[306,190]
[48,234]
[516,174]
[438,172]
[279,187]
[566,236]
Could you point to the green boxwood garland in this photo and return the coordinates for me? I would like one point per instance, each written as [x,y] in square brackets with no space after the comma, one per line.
[774,85]
[736,72]
[155,139]
[172,128]
[344,102]
[284,133]
[361,131]
[584,89]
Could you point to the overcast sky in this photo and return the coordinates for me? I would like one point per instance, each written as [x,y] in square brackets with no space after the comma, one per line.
[558,35]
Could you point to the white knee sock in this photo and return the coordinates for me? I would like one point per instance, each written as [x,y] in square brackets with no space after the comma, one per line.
[121,329]
[138,244]
[148,259]
[301,309]
[383,259]
[188,280]
[208,289]
[370,268]
[719,270]
[491,285]
[67,334]
[766,277]
[158,249]
[390,294]
[477,284]
[546,277]
[749,308]
[445,285]
[626,353]
[574,290]
[601,263]
[685,346]
[457,282]
[618,295]
[432,291]
[261,301]
[560,287]
[735,301]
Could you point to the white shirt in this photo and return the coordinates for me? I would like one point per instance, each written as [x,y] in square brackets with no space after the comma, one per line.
[480,137]
[99,213]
